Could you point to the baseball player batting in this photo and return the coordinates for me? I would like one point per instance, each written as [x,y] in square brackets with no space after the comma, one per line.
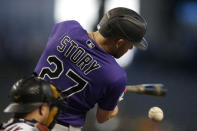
[82,64]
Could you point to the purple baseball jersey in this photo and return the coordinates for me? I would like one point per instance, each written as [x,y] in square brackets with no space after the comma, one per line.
[82,69]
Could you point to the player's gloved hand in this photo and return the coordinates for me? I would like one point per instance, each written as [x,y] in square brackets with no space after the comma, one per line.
[121,97]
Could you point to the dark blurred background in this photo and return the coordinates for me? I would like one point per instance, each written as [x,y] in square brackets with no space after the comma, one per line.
[25,26]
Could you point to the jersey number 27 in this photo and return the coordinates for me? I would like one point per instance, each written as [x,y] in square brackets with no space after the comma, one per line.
[56,73]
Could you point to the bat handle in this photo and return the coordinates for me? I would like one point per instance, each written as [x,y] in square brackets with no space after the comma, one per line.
[135,89]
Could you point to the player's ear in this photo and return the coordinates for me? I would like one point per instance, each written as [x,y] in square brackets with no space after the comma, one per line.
[42,109]
[119,43]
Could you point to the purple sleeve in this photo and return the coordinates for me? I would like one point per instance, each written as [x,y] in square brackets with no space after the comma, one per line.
[112,94]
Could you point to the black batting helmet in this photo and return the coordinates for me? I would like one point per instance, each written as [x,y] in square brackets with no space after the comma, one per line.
[124,23]
[30,93]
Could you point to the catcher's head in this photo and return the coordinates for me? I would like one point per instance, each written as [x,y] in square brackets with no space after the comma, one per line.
[30,93]
[125,24]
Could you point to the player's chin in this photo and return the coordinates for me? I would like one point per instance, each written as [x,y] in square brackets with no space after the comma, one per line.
[117,56]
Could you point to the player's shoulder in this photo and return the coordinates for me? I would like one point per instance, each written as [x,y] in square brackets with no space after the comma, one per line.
[68,23]
[21,127]
[65,27]
[68,27]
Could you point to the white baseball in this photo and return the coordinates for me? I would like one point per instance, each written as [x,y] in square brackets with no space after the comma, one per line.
[156,114]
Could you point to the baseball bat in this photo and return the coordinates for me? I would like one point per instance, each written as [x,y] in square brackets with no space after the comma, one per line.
[147,89]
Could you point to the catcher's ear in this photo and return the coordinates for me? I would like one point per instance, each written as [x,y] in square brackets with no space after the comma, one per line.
[42,109]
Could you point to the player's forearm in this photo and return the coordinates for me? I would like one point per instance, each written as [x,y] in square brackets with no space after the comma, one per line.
[115,112]
[103,115]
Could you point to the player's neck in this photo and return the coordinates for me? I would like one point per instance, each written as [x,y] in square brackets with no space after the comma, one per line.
[100,40]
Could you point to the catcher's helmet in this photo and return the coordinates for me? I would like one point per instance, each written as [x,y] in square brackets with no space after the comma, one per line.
[30,93]
[126,24]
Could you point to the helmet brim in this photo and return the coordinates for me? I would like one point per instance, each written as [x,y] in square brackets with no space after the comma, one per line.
[21,108]
[142,45]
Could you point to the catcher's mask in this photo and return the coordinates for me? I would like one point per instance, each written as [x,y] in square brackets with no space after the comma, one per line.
[30,93]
